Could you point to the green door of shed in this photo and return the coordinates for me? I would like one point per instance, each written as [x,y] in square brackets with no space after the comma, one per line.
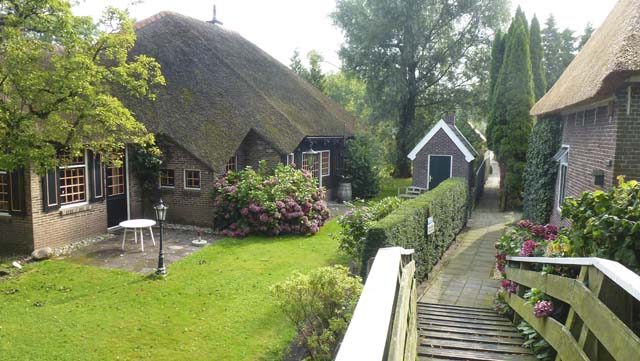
[439,169]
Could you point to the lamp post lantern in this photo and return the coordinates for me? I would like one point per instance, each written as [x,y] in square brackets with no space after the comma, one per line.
[161,215]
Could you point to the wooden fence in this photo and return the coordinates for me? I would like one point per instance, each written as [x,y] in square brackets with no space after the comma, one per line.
[601,302]
[384,323]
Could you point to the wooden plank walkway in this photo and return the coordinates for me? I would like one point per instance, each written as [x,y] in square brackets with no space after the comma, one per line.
[448,332]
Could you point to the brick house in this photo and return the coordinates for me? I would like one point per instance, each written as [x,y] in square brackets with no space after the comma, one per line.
[443,153]
[226,105]
[597,99]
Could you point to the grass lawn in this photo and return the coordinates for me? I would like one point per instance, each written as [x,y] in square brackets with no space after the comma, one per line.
[389,187]
[213,305]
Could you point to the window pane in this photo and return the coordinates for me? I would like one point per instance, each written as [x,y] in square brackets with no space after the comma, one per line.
[4,192]
[167,178]
[325,163]
[192,179]
[311,163]
[115,181]
[232,164]
[72,183]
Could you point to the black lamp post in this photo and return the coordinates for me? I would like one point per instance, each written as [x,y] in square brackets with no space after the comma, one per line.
[161,215]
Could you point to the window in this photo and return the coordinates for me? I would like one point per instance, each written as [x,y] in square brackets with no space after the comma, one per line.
[563,158]
[4,191]
[115,181]
[191,179]
[326,163]
[73,181]
[311,163]
[232,164]
[167,178]
[290,159]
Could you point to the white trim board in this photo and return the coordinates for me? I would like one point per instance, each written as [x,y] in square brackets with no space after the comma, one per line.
[454,138]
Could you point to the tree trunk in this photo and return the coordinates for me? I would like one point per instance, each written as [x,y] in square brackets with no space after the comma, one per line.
[503,191]
[406,121]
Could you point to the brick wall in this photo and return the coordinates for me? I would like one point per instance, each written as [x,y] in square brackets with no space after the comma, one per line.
[254,149]
[590,135]
[440,144]
[627,160]
[16,231]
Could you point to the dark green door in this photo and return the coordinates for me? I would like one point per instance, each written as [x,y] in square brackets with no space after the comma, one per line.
[439,169]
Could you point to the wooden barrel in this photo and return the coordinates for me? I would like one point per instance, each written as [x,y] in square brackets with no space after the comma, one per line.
[344,192]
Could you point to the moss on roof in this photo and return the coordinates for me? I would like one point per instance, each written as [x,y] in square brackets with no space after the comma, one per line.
[221,86]
[606,61]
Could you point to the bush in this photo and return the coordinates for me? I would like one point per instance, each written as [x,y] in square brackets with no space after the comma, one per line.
[287,202]
[363,164]
[356,222]
[607,224]
[406,226]
[320,305]
[540,171]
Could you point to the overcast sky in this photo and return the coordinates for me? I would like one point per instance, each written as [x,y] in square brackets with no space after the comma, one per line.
[280,26]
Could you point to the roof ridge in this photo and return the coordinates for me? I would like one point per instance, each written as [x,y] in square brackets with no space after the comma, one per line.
[144,22]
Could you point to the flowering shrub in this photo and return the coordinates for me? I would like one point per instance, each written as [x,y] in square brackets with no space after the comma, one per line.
[356,221]
[531,240]
[543,309]
[287,202]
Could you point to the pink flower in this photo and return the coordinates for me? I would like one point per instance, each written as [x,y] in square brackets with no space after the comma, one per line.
[525,223]
[543,309]
[538,230]
[551,229]
[244,211]
[528,248]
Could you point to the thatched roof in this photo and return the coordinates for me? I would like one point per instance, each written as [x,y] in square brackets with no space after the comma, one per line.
[220,87]
[609,57]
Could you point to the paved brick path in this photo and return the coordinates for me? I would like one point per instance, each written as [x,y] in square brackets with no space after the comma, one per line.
[465,277]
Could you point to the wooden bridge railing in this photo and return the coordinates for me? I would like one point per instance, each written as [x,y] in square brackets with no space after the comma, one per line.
[602,301]
[384,323]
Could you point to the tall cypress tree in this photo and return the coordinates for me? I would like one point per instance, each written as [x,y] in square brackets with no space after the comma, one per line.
[511,122]
[497,57]
[537,55]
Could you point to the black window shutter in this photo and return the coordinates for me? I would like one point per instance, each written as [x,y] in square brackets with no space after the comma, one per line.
[50,198]
[96,177]
[17,198]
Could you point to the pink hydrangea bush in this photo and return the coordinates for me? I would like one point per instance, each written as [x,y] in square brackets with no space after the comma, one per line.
[543,309]
[286,202]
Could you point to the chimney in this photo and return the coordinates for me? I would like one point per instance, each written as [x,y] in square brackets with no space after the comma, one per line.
[450,118]
[215,20]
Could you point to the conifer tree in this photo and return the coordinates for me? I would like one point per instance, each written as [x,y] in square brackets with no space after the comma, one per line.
[510,120]
[537,55]
[497,57]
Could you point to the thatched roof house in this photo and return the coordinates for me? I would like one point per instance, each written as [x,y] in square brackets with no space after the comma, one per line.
[597,99]
[220,87]
[605,62]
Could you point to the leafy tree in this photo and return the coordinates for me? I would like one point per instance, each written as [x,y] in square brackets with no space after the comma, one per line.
[510,124]
[537,55]
[540,172]
[588,31]
[363,157]
[415,53]
[59,74]
[350,92]
[313,74]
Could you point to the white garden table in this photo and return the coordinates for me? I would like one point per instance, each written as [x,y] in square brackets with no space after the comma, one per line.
[138,225]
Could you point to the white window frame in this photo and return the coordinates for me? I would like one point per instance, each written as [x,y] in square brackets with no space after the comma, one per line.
[563,169]
[184,174]
[290,159]
[235,162]
[160,179]
[429,167]
[328,167]
[86,183]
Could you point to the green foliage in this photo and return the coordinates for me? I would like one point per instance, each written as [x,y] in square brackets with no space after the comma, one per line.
[350,92]
[356,222]
[535,342]
[497,58]
[607,224]
[510,123]
[559,50]
[146,161]
[363,165]
[386,45]
[58,77]
[320,304]
[541,171]
[546,242]
[586,35]
[406,226]
[286,201]
[313,74]
[537,56]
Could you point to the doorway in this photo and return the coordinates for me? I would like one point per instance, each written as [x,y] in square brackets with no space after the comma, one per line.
[439,169]
[116,195]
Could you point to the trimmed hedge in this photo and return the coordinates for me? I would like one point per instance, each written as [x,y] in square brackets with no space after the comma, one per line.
[407,226]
